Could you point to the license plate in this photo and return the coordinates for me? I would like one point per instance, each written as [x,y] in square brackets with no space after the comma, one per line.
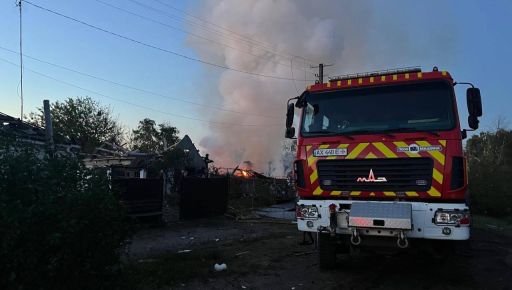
[330,152]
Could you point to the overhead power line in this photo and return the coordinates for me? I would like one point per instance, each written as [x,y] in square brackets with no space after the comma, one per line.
[220,30]
[156,47]
[139,89]
[137,105]
[190,33]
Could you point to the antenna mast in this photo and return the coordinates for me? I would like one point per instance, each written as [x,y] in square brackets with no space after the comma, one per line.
[18,3]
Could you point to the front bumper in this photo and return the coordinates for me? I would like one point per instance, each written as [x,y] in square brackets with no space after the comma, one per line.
[422,220]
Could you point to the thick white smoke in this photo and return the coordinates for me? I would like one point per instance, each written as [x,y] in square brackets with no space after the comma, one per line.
[338,32]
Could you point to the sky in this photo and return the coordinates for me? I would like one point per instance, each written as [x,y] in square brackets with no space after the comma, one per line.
[470,39]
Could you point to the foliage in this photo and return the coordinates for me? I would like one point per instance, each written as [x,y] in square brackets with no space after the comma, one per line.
[490,166]
[148,138]
[82,121]
[61,226]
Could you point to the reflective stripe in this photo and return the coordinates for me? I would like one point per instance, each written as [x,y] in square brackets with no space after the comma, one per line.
[371,156]
[314,176]
[335,192]
[317,191]
[384,149]
[434,192]
[436,154]
[311,160]
[411,193]
[438,176]
[389,193]
[355,193]
[360,147]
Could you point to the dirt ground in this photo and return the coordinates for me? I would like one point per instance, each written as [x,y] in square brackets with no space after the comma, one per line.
[268,255]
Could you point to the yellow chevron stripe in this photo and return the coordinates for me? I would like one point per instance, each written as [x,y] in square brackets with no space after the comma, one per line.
[436,154]
[438,176]
[355,193]
[328,84]
[335,192]
[314,176]
[384,149]
[443,142]
[403,144]
[433,192]
[411,193]
[372,194]
[389,193]
[360,147]
[371,156]
[317,191]
[339,83]
[311,160]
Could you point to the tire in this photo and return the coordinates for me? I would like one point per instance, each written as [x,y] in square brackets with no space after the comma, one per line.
[326,251]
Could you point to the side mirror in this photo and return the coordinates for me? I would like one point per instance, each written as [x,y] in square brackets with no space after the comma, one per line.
[473,122]
[474,102]
[290,112]
[290,133]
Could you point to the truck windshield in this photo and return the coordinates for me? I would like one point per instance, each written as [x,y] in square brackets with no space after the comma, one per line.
[395,108]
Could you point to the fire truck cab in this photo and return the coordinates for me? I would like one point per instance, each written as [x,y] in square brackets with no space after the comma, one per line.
[380,157]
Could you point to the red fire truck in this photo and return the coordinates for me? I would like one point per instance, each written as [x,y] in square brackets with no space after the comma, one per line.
[380,158]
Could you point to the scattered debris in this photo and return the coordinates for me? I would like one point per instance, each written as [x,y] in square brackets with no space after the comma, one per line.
[241,253]
[147,260]
[220,267]
[303,253]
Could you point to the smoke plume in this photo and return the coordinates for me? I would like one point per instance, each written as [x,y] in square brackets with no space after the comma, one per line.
[344,33]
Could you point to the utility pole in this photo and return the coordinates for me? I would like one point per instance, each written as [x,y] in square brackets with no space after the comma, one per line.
[320,74]
[48,125]
[21,61]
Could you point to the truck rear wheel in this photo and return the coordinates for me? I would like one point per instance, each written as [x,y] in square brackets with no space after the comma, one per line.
[326,251]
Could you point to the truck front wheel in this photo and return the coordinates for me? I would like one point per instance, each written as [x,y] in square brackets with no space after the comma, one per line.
[326,251]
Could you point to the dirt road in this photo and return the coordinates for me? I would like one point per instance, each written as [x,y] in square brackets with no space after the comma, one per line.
[271,258]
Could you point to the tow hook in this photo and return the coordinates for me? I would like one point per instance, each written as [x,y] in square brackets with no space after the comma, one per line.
[402,240]
[355,239]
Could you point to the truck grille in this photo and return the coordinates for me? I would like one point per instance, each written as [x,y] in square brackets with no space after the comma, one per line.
[391,174]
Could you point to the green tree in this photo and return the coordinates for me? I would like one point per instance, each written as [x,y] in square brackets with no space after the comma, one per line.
[490,166]
[61,225]
[82,121]
[150,138]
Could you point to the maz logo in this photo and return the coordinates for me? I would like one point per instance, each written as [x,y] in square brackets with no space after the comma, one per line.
[371,178]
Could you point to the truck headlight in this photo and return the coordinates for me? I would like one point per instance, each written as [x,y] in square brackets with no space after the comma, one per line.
[307,212]
[452,217]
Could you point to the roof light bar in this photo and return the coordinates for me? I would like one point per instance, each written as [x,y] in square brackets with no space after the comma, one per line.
[411,69]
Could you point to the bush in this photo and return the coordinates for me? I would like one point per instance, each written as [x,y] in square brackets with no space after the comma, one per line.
[61,226]
[490,166]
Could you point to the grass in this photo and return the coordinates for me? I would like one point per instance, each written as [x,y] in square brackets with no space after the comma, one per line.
[502,225]
[169,269]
